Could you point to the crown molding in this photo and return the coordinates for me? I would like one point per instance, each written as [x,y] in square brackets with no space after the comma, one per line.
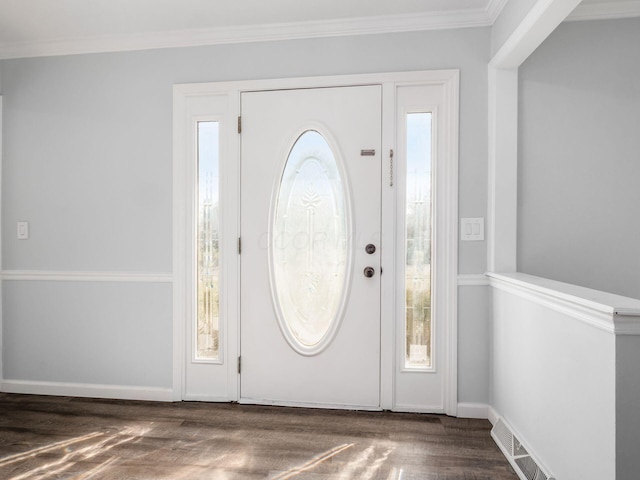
[494,9]
[480,17]
[605,10]
[257,33]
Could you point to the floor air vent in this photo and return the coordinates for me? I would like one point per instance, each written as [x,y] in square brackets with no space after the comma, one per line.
[523,463]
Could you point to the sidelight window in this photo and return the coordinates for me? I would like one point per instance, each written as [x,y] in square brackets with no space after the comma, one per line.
[208,248]
[418,222]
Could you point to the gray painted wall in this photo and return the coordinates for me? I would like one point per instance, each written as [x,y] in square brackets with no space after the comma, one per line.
[102,333]
[579,157]
[87,161]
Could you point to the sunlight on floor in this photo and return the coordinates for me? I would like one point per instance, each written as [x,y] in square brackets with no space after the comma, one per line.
[37,451]
[366,465]
[314,462]
[96,444]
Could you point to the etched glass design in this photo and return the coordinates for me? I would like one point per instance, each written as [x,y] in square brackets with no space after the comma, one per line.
[418,242]
[309,243]
[208,252]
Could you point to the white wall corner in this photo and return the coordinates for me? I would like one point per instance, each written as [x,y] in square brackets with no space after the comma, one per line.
[492,415]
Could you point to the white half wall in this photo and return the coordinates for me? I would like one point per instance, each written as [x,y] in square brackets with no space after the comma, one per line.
[564,375]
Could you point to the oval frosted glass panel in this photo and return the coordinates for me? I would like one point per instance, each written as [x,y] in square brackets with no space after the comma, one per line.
[309,244]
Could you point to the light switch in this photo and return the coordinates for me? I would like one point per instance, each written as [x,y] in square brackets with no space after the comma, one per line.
[23,230]
[472,229]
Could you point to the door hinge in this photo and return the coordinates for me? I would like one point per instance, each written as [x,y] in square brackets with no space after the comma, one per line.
[239,246]
[239,124]
[239,364]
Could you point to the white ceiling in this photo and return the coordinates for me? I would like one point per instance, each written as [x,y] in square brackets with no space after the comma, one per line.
[53,27]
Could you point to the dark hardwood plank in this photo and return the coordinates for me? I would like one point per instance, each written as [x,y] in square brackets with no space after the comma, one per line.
[75,438]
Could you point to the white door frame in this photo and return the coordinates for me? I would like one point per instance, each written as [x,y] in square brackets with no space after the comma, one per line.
[187,100]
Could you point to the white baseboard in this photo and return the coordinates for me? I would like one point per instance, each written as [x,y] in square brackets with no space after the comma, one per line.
[407,408]
[207,398]
[473,410]
[120,392]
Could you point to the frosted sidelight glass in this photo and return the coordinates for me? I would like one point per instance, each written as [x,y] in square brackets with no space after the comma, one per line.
[309,245]
[208,252]
[418,241]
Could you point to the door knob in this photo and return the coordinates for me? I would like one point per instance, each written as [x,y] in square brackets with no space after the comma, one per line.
[371,248]
[369,272]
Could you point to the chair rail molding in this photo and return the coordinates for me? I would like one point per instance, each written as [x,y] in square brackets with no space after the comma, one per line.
[86,276]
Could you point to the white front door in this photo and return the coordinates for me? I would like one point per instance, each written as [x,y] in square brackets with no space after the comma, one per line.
[310,241]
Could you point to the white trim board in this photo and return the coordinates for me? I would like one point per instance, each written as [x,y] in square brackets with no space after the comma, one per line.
[121,392]
[611,313]
[82,276]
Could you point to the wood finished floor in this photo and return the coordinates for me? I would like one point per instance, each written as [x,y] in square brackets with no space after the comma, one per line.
[74,438]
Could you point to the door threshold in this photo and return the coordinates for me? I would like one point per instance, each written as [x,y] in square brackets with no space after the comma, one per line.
[323,406]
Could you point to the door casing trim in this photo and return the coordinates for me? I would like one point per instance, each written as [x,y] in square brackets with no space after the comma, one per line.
[183,236]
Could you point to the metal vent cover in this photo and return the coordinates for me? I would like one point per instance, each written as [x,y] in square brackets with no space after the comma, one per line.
[518,448]
[503,436]
[530,469]
[525,466]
